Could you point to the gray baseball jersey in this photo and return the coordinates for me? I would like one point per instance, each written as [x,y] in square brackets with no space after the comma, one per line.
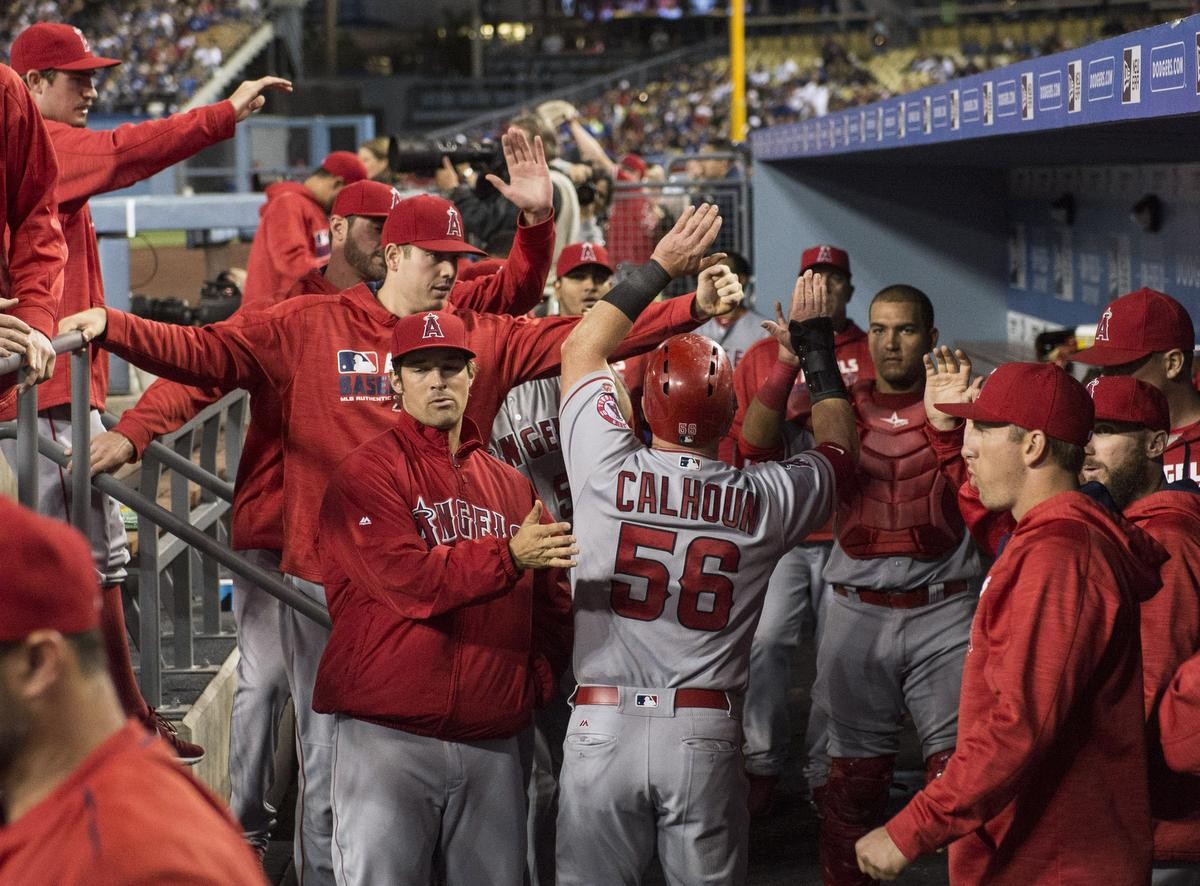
[525,436]
[737,337]
[675,549]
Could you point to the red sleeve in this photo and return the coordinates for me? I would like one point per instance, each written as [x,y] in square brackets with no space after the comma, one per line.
[382,557]
[1045,654]
[231,354]
[987,528]
[289,241]
[1179,719]
[518,286]
[96,161]
[31,266]
[752,370]
[165,406]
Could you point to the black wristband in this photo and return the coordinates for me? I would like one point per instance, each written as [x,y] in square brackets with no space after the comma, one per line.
[813,342]
[633,294]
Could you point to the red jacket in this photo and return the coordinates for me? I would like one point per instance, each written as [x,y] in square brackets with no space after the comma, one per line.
[128,814]
[94,162]
[292,239]
[33,253]
[258,489]
[326,356]
[1184,446]
[1048,779]
[435,631]
[1179,718]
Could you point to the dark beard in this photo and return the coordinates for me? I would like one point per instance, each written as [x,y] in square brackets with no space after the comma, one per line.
[1124,483]
[362,262]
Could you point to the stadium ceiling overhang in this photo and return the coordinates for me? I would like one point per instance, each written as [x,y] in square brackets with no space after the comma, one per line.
[1129,99]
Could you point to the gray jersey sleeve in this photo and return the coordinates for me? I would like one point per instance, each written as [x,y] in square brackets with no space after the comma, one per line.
[799,493]
[595,437]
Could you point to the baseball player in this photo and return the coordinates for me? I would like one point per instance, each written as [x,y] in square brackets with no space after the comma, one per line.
[304,351]
[58,68]
[34,252]
[293,237]
[88,796]
[1149,335]
[1048,780]
[434,553]
[797,592]
[904,574]
[678,548]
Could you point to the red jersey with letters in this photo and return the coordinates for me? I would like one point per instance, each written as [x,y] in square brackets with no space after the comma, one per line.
[1183,449]
[128,814]
[1048,783]
[327,357]
[435,630]
[292,239]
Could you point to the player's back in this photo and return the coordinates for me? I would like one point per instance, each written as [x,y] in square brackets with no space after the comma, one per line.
[675,549]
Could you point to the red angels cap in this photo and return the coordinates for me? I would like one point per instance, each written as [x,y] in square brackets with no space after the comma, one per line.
[423,332]
[1136,324]
[825,254]
[1036,396]
[427,221]
[61,47]
[345,166]
[370,198]
[634,163]
[1122,398]
[576,255]
[51,584]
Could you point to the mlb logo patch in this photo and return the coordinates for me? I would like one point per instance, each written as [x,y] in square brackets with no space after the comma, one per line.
[690,462]
[644,700]
[357,361]
[321,241]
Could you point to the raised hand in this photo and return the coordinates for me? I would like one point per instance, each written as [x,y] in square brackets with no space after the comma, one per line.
[248,97]
[681,251]
[718,291]
[528,187]
[778,330]
[947,380]
[539,545]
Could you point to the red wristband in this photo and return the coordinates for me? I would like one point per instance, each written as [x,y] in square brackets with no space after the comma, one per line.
[777,388]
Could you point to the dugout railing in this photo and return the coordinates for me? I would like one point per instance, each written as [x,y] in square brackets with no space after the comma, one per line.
[181,548]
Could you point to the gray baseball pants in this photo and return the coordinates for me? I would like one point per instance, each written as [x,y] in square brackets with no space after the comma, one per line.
[399,798]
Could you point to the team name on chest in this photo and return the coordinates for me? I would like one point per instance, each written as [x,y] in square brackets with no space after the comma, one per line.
[453,519]
[527,443]
[687,498]
[362,375]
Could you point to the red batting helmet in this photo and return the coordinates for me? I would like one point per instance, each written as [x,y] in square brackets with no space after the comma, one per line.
[687,395]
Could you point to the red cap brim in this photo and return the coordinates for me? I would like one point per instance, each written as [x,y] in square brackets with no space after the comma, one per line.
[1099,355]
[447,246]
[434,347]
[88,63]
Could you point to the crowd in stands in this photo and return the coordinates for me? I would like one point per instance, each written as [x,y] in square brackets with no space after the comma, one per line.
[167,49]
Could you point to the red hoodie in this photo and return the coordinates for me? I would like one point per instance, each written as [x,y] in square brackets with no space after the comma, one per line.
[327,357]
[435,630]
[258,489]
[292,239]
[1048,779]
[94,162]
[1184,447]
[1179,718]
[33,251]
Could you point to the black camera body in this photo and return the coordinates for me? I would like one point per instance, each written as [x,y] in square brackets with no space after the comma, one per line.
[423,156]
[219,299]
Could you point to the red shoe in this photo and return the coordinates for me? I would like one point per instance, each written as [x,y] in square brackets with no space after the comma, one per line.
[186,752]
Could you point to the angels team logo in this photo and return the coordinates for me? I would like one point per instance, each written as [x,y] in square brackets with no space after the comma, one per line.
[1091,387]
[587,252]
[824,256]
[433,328]
[454,226]
[82,39]
[606,405]
[1102,328]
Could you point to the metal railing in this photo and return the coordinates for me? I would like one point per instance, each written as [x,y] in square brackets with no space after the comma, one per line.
[189,556]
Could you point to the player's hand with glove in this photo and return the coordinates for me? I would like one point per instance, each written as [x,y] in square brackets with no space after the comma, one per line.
[528,187]
[810,301]
[879,857]
[718,291]
[539,545]
[948,380]
[108,452]
[681,251]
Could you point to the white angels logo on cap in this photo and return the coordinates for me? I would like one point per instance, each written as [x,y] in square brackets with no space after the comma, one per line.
[1102,329]
[396,198]
[433,328]
[454,228]
[587,252]
[82,39]
[1091,387]
[824,256]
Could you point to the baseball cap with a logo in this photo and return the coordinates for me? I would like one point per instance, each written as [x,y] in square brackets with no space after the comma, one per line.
[49,45]
[52,585]
[1036,396]
[1122,398]
[578,255]
[369,198]
[432,329]
[345,166]
[427,221]
[1136,324]
[825,255]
